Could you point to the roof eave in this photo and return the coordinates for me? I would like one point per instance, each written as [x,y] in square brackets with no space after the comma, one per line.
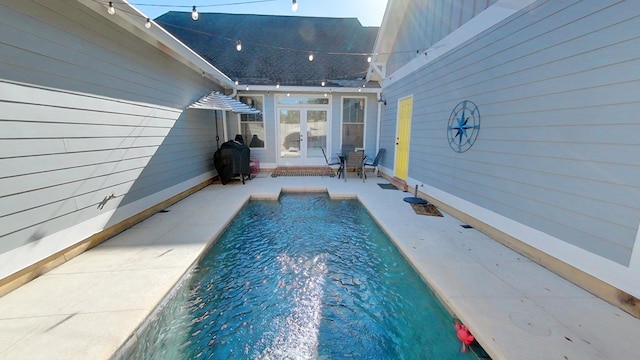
[391,22]
[131,19]
[309,89]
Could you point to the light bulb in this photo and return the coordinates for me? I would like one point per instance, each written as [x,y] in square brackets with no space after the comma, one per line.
[322,83]
[148,24]
[247,88]
[369,59]
[194,14]
[294,6]
[277,85]
[239,45]
[311,56]
[111,10]
[236,82]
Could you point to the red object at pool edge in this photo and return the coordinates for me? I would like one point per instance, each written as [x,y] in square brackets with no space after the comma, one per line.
[465,337]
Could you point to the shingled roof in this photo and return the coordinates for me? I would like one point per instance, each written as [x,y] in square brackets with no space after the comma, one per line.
[275,48]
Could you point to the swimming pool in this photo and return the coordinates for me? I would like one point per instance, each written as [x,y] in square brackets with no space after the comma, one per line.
[303,277]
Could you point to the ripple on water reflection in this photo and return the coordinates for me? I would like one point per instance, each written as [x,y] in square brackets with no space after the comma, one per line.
[304,277]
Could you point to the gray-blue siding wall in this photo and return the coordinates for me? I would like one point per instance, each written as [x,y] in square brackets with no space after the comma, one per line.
[92,127]
[558,89]
[428,21]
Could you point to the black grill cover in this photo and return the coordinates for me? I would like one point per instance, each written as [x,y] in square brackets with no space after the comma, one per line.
[231,160]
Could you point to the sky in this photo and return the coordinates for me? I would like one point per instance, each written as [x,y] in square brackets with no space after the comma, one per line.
[369,12]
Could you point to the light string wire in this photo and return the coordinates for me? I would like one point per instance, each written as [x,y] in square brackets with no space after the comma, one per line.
[233,41]
[203,6]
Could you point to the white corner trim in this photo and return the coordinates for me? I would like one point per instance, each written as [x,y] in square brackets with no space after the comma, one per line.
[634,262]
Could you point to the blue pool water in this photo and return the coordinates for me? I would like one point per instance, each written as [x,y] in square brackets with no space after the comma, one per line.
[304,277]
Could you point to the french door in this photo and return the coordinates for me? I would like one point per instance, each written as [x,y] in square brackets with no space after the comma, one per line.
[303,132]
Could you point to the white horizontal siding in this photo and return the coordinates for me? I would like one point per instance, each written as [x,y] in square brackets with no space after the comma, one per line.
[88,110]
[70,48]
[558,89]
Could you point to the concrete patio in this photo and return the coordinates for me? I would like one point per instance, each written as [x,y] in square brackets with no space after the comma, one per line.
[88,307]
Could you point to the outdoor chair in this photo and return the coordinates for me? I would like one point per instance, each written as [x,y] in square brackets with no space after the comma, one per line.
[332,162]
[374,163]
[355,160]
[346,148]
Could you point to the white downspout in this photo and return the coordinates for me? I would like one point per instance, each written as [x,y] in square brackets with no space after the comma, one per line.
[379,120]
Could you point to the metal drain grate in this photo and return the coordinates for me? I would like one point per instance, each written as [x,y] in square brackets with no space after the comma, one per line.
[387,186]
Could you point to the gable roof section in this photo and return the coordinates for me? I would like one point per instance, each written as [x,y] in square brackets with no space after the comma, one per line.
[275,48]
[132,20]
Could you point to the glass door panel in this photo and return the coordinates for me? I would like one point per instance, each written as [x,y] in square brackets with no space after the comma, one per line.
[290,134]
[303,132]
[316,135]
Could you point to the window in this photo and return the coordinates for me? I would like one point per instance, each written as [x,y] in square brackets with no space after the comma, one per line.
[252,125]
[353,122]
[296,100]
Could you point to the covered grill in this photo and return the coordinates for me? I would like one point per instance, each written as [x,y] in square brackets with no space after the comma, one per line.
[231,160]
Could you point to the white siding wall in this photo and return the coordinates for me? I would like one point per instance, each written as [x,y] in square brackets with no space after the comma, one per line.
[557,161]
[88,110]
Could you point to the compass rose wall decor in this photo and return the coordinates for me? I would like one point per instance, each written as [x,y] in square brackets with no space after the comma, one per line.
[464,126]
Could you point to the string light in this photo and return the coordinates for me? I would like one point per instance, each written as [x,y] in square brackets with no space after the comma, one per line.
[194,10]
[194,14]
[294,5]
[311,54]
[322,83]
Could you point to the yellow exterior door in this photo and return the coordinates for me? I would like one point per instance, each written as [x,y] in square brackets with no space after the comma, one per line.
[403,131]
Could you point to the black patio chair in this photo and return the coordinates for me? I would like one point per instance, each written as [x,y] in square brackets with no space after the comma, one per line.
[374,163]
[332,162]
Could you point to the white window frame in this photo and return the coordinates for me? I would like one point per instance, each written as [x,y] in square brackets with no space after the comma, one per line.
[364,119]
[264,122]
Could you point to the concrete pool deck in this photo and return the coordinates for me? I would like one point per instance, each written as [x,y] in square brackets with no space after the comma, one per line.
[89,306]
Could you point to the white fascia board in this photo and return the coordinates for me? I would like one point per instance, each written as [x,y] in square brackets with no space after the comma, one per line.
[309,89]
[133,20]
[486,19]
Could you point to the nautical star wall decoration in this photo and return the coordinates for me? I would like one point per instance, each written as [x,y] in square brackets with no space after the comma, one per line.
[464,126]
